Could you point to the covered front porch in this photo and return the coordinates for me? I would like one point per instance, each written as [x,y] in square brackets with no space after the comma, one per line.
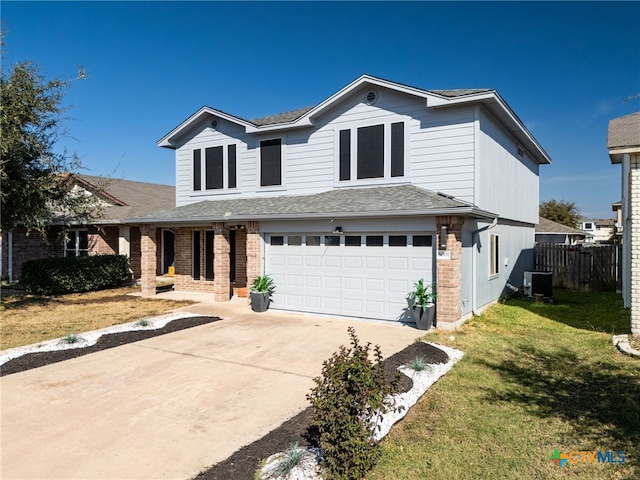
[218,258]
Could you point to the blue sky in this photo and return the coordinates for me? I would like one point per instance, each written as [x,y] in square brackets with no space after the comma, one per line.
[564,68]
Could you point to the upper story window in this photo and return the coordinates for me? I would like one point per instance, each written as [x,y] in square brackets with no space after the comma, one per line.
[77,243]
[271,162]
[220,168]
[375,151]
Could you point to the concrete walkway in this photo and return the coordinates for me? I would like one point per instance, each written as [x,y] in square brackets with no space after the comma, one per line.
[173,405]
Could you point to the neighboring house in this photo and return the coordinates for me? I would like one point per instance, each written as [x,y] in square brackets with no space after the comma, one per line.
[600,229]
[623,141]
[548,231]
[120,199]
[347,203]
[617,208]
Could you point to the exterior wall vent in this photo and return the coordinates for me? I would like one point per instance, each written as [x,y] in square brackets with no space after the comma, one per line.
[371,97]
[214,123]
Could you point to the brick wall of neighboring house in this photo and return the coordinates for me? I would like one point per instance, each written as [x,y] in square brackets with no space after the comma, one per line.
[29,247]
[634,193]
[103,241]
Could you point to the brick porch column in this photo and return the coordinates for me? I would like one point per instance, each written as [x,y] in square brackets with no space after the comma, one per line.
[148,250]
[221,264]
[253,251]
[449,273]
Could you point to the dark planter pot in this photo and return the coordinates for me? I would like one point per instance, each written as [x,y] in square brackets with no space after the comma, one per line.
[424,317]
[259,301]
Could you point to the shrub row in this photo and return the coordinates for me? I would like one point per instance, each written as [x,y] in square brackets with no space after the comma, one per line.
[47,276]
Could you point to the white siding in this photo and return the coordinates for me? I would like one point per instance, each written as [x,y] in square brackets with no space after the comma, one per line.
[507,184]
[439,150]
[516,257]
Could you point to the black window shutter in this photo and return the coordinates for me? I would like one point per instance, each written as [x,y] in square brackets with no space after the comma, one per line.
[371,152]
[196,255]
[197,170]
[232,166]
[208,255]
[271,162]
[345,154]
[213,167]
[397,149]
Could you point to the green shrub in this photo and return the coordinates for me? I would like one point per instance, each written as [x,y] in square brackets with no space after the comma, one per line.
[348,394]
[49,276]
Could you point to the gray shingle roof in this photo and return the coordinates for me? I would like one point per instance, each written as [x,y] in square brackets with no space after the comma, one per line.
[280,117]
[624,131]
[549,226]
[139,198]
[344,202]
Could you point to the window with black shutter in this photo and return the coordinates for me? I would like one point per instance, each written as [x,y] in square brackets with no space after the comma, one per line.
[213,168]
[197,170]
[271,162]
[397,149]
[231,154]
[370,152]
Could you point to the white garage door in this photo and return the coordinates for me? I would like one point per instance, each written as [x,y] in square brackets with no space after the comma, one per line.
[366,275]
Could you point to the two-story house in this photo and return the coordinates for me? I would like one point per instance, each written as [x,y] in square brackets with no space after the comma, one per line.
[347,203]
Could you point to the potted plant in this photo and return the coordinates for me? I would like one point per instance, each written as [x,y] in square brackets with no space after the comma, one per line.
[423,304]
[262,288]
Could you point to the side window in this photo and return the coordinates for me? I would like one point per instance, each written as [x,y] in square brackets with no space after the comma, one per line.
[196,254]
[494,267]
[270,162]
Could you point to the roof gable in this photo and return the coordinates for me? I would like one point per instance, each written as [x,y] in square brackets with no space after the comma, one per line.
[305,117]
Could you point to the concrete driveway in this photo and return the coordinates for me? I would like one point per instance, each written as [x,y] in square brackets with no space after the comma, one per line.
[173,405]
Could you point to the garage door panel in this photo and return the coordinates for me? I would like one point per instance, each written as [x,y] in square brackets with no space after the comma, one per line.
[374,263]
[398,263]
[365,281]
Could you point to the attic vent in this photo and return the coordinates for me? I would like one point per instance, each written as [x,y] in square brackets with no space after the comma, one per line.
[520,151]
[214,124]
[371,97]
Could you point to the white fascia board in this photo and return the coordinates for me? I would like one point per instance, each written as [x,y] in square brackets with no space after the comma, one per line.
[307,120]
[167,140]
[617,154]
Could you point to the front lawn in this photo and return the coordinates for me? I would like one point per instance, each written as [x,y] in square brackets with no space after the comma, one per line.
[27,319]
[534,378]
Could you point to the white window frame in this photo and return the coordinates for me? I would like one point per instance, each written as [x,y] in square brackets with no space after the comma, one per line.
[225,169]
[77,251]
[353,146]
[494,255]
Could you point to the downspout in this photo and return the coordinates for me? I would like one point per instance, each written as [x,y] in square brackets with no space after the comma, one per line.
[474,259]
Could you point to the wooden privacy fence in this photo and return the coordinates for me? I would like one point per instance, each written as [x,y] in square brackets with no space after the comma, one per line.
[581,267]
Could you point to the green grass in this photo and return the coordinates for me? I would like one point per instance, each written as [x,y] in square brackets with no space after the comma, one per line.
[534,378]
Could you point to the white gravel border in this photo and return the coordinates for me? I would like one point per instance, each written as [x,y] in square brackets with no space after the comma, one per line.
[422,380]
[87,339]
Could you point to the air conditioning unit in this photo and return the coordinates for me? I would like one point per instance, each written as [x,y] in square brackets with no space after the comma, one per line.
[538,283]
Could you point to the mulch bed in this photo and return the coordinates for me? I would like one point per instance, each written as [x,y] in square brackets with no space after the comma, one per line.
[243,463]
[40,359]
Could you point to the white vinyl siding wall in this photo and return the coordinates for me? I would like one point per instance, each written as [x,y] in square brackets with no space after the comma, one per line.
[439,150]
[507,183]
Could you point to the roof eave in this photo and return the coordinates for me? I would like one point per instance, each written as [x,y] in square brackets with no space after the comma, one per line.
[199,220]
[496,105]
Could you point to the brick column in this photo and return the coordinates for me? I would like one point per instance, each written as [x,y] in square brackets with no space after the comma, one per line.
[253,252]
[634,211]
[221,264]
[449,272]
[148,250]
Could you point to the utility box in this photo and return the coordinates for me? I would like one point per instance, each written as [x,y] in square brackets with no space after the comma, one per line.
[540,283]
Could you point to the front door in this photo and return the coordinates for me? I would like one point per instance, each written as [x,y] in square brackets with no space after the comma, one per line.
[168,238]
